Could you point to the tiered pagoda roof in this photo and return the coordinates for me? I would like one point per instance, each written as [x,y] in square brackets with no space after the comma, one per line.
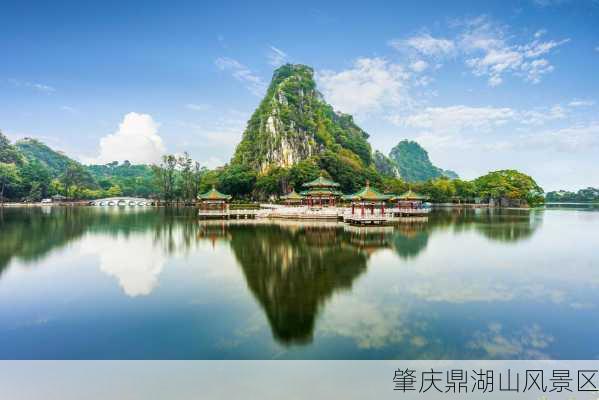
[321,182]
[410,195]
[321,187]
[368,194]
[293,195]
[214,195]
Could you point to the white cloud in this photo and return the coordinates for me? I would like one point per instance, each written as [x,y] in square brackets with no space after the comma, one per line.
[464,127]
[253,82]
[136,140]
[487,49]
[33,85]
[456,118]
[370,85]
[419,65]
[581,103]
[492,55]
[426,45]
[68,109]
[542,116]
[197,107]
[577,138]
[276,57]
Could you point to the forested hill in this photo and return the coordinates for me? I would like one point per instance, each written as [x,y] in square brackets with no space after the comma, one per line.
[414,164]
[294,134]
[56,162]
[588,195]
[30,170]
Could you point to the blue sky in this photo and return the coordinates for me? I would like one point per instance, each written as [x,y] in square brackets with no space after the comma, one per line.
[482,85]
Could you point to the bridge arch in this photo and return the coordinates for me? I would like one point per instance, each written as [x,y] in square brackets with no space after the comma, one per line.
[122,202]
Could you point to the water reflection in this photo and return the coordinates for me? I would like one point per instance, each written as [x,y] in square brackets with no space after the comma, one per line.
[133,261]
[304,276]
[293,270]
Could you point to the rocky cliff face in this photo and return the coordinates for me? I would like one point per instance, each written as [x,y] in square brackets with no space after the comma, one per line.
[293,123]
[385,166]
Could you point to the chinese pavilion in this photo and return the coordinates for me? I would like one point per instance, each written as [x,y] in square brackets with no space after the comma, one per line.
[410,200]
[367,198]
[214,200]
[321,191]
[292,198]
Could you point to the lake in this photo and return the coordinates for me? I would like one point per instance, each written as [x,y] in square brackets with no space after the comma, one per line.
[100,283]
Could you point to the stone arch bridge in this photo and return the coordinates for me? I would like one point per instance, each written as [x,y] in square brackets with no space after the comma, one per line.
[122,202]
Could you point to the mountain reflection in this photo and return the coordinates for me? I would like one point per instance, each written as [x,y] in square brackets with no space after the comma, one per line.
[291,267]
[293,270]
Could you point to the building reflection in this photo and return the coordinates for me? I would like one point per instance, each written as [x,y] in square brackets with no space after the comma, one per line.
[292,268]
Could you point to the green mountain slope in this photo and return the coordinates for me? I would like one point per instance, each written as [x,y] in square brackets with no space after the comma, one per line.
[54,161]
[385,166]
[414,164]
[294,125]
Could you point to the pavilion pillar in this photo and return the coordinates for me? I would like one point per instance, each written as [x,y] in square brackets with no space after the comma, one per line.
[372,209]
[383,208]
[362,208]
[353,206]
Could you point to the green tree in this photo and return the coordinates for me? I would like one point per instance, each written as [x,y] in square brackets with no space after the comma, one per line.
[302,172]
[75,178]
[56,187]
[237,180]
[35,180]
[465,190]
[209,179]
[510,185]
[9,178]
[8,153]
[272,183]
[188,177]
[165,176]
[114,191]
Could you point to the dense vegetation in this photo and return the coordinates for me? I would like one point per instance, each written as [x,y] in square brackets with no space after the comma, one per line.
[31,171]
[588,195]
[36,173]
[414,164]
[292,135]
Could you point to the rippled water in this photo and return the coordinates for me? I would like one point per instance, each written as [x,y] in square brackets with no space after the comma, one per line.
[106,283]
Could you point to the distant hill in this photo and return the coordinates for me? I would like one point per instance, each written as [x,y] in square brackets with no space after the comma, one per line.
[588,195]
[409,161]
[385,166]
[56,162]
[42,171]
[133,179]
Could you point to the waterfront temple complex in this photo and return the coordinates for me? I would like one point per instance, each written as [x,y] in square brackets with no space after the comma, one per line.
[320,200]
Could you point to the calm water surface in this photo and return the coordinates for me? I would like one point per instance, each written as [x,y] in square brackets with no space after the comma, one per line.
[97,283]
